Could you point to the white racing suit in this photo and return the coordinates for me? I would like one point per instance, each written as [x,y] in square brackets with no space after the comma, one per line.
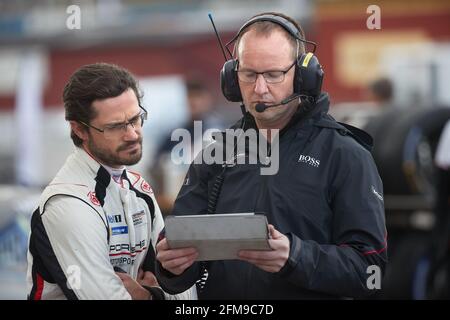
[85,227]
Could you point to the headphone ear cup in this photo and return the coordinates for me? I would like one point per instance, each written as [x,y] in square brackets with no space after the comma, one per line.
[308,75]
[229,81]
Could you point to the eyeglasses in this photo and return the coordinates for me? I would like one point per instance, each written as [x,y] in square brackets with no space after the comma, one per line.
[271,76]
[114,131]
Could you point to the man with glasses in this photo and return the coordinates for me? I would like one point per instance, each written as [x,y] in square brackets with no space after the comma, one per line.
[94,231]
[324,205]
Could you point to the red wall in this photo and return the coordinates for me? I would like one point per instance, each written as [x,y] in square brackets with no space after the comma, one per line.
[197,57]
[433,20]
[202,55]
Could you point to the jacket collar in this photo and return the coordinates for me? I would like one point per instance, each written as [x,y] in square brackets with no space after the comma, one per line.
[317,113]
[362,137]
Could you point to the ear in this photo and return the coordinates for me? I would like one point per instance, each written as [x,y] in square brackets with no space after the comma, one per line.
[79,130]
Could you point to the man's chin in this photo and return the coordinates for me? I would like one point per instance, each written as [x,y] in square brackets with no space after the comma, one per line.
[131,159]
[118,158]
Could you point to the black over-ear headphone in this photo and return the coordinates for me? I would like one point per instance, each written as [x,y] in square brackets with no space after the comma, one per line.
[308,72]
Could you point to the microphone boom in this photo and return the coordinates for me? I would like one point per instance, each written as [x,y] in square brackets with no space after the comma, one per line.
[261,107]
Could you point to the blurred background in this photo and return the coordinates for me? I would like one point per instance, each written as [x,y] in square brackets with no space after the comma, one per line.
[392,81]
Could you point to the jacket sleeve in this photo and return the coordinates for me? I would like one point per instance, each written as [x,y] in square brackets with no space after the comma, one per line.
[192,199]
[358,233]
[157,228]
[78,239]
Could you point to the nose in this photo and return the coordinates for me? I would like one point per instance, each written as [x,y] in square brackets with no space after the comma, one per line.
[131,133]
[261,85]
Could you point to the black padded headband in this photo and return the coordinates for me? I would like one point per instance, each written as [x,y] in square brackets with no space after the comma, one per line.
[287,25]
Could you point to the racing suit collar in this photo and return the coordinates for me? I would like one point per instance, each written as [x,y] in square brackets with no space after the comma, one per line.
[115,173]
[94,163]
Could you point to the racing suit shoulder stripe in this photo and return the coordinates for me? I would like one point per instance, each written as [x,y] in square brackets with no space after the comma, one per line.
[45,263]
[148,200]
[103,179]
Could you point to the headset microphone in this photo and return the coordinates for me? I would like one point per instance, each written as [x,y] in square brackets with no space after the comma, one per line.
[261,107]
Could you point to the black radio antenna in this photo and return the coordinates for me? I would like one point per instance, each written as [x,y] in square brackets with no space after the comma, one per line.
[220,40]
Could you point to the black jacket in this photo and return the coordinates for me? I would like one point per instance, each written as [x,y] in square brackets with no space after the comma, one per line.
[326,197]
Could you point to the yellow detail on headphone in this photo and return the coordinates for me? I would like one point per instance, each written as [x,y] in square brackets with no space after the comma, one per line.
[307,58]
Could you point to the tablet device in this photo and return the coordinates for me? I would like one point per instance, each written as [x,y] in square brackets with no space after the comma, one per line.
[218,236]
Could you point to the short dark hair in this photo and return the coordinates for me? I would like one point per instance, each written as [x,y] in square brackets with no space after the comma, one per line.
[94,82]
[382,89]
[196,86]
[266,28]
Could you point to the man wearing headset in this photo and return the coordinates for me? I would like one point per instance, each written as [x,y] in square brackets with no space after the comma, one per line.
[324,206]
